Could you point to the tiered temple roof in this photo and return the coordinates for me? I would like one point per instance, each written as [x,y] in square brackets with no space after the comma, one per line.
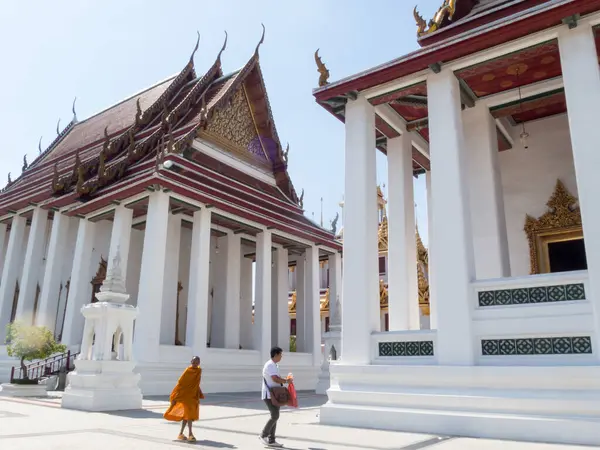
[121,152]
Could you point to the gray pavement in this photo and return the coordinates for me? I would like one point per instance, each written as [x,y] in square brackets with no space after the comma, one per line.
[227,421]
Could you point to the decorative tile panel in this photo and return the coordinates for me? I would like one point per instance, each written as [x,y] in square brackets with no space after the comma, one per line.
[536,346]
[410,348]
[538,294]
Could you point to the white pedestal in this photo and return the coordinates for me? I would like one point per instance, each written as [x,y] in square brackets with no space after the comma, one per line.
[332,339]
[103,386]
[23,390]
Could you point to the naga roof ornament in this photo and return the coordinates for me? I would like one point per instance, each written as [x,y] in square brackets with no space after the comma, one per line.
[301,200]
[222,50]
[74,113]
[58,128]
[40,145]
[195,48]
[25,163]
[322,69]
[446,11]
[286,152]
[262,40]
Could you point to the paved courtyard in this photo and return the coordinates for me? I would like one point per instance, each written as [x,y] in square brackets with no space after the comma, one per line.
[228,421]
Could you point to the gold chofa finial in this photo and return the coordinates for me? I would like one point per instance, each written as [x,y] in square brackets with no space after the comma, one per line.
[447,10]
[323,71]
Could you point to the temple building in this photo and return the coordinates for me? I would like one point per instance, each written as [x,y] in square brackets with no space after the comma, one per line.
[497,109]
[187,183]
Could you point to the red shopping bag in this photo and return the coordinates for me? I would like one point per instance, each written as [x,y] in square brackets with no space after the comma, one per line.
[293,396]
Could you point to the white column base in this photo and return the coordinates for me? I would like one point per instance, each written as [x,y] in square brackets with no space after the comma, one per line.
[103,386]
[23,390]
[539,404]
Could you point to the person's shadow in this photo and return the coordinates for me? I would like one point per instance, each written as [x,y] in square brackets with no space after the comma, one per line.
[207,443]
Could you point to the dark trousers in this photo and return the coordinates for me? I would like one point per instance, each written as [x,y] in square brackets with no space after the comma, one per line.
[271,426]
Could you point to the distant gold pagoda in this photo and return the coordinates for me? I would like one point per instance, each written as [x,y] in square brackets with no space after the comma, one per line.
[422,259]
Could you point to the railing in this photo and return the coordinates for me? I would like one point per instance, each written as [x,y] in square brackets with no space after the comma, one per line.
[44,368]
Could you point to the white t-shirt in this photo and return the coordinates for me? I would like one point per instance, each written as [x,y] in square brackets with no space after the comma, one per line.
[269,370]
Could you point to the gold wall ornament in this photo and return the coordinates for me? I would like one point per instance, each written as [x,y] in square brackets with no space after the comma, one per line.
[98,279]
[232,126]
[322,69]
[561,222]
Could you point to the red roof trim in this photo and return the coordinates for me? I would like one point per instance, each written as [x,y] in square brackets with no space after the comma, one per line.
[216,193]
[482,18]
[187,192]
[448,51]
[225,180]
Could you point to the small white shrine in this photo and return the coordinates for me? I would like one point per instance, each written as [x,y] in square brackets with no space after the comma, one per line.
[104,377]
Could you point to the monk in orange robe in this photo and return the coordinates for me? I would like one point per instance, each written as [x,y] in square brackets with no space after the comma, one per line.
[185,400]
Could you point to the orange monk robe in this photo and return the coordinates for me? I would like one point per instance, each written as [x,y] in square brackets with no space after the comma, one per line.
[185,404]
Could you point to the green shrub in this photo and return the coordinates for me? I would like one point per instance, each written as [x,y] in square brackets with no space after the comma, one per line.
[28,343]
[292,343]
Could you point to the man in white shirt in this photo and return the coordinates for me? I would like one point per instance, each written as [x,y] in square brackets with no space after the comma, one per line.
[271,378]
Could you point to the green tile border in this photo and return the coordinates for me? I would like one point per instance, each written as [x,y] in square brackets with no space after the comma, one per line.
[575,345]
[406,348]
[532,295]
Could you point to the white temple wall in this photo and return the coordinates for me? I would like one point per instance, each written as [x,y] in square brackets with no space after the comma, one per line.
[65,277]
[134,265]
[185,255]
[528,180]
[100,250]
[4,241]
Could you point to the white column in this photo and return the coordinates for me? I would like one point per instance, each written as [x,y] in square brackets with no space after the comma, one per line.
[451,235]
[335,284]
[262,295]
[246,303]
[152,278]
[360,314]
[432,307]
[581,78]
[313,305]
[80,283]
[3,241]
[301,312]
[31,266]
[281,289]
[490,240]
[197,316]
[11,269]
[402,249]
[169,298]
[57,252]
[232,292]
[120,238]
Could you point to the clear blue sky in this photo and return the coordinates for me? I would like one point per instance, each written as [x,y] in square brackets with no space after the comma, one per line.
[103,51]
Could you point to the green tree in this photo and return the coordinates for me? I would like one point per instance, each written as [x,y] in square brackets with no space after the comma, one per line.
[29,343]
[292,343]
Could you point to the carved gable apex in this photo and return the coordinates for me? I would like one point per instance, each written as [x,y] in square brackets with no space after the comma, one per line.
[233,129]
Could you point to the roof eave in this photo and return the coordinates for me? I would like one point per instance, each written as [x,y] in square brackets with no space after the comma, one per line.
[456,46]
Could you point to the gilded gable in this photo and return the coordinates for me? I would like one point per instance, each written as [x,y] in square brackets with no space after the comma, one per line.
[232,128]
